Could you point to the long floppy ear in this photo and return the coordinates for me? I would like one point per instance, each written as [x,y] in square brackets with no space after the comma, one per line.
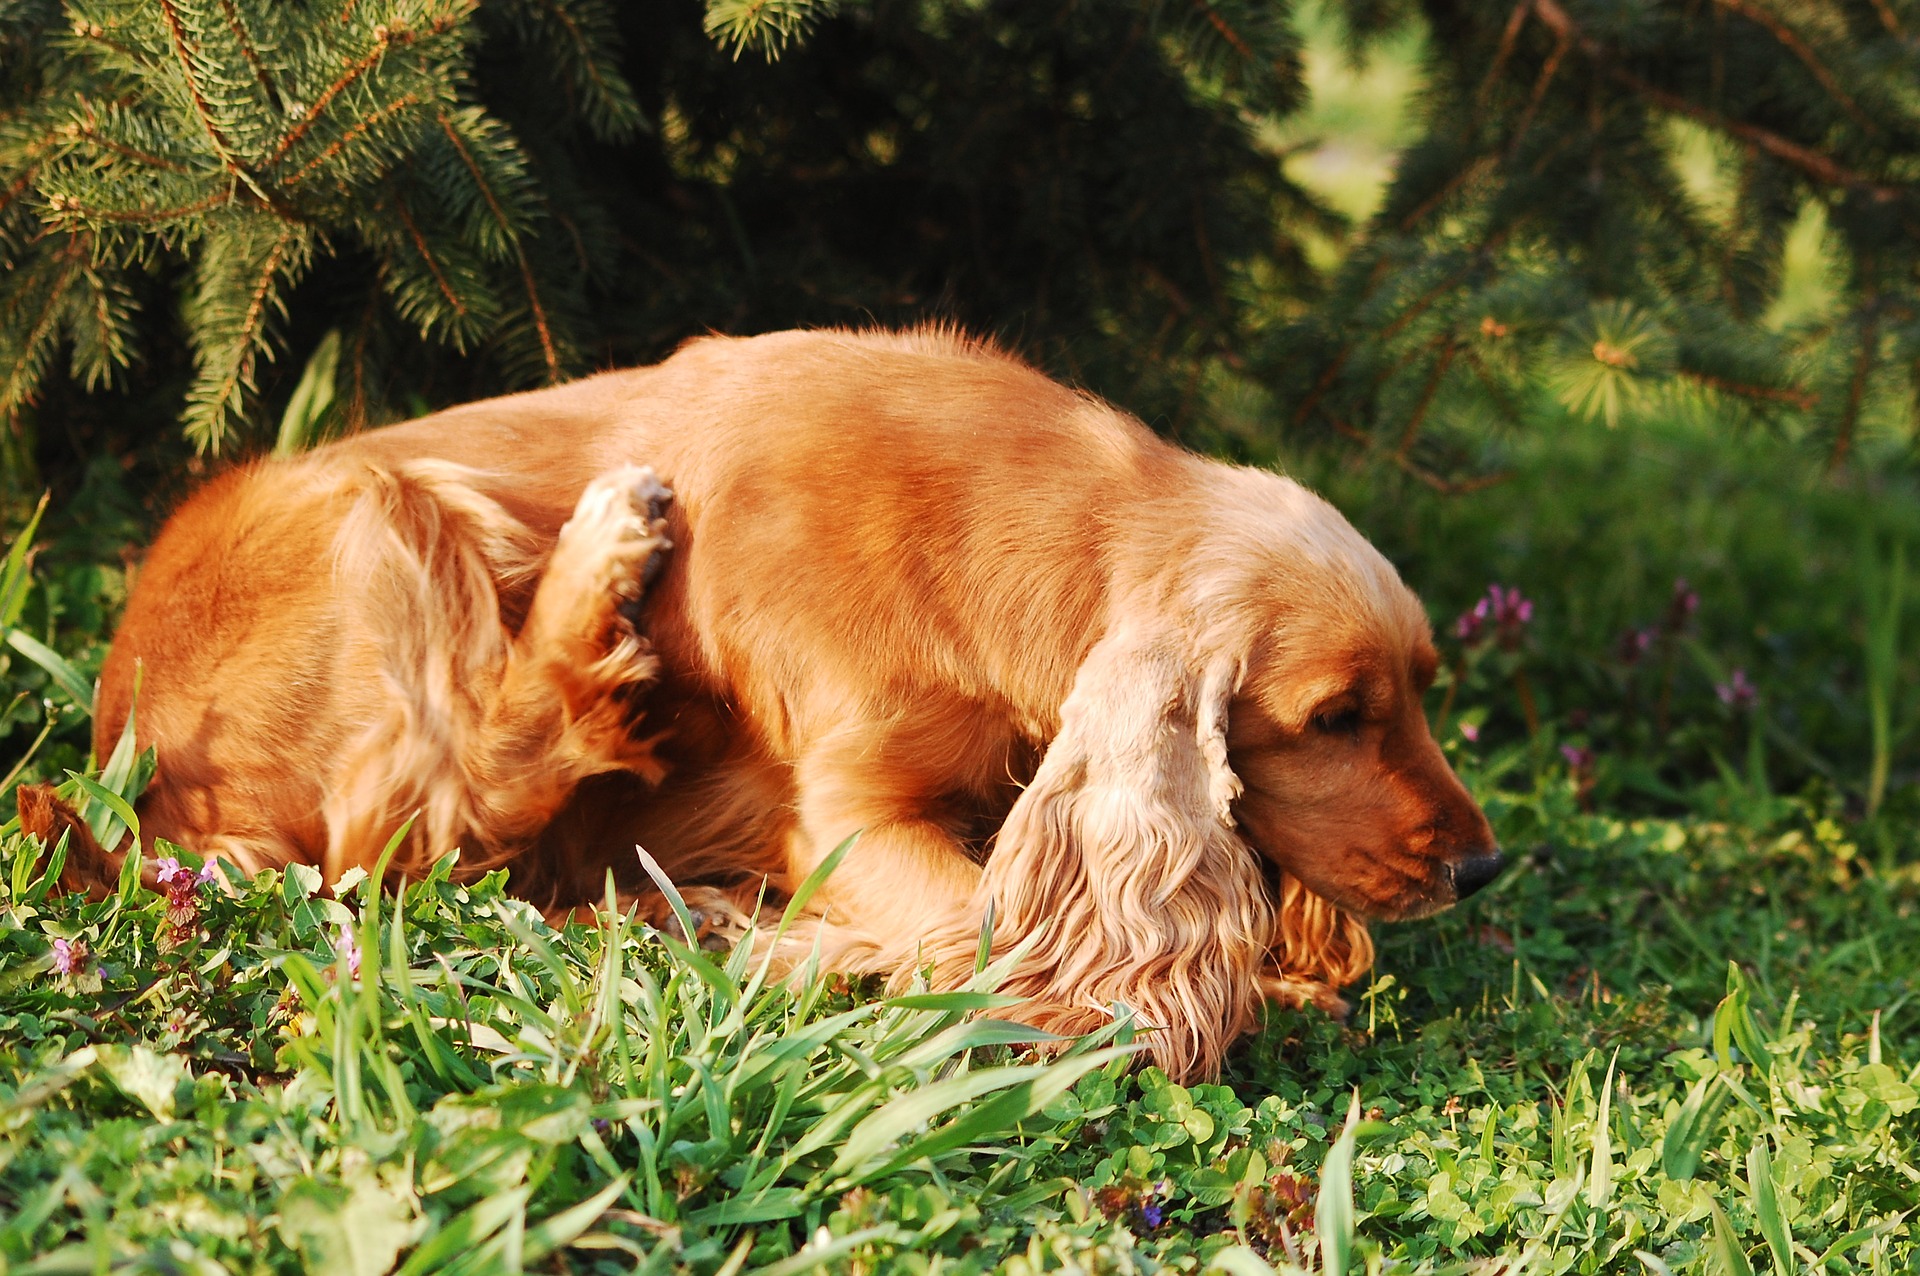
[1120,864]
[1318,948]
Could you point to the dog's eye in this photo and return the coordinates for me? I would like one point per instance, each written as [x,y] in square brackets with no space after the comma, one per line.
[1337,722]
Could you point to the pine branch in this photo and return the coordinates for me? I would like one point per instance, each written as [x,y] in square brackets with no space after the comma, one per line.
[386,39]
[548,348]
[245,267]
[765,25]
[1803,52]
[364,127]
[185,53]
[1821,167]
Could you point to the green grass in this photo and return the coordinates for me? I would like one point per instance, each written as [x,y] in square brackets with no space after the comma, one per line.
[488,1094]
[1683,1034]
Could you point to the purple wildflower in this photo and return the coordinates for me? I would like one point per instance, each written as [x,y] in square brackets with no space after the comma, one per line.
[1153,1214]
[1635,644]
[1507,612]
[1737,693]
[1470,732]
[206,875]
[349,947]
[68,956]
[1581,760]
[1681,607]
[1468,628]
[182,886]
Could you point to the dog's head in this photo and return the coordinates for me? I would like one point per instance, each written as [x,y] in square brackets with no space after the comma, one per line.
[1337,777]
[1258,687]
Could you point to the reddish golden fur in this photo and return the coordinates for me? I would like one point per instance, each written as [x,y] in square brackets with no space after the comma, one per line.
[1041,659]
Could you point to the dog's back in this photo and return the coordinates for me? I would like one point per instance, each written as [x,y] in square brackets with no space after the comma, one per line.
[857,515]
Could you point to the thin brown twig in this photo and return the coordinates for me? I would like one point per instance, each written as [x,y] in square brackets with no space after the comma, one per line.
[1815,164]
[1225,29]
[247,50]
[580,42]
[1515,21]
[139,216]
[1471,171]
[355,69]
[1548,69]
[1419,414]
[526,270]
[1790,39]
[1792,396]
[405,102]
[91,131]
[1856,390]
[426,255]
[177,33]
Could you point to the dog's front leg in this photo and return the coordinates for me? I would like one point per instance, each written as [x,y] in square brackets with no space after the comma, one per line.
[904,868]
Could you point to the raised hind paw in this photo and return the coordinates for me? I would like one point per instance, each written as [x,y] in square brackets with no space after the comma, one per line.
[592,596]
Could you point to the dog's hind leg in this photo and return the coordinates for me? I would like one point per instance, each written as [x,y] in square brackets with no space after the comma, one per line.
[486,736]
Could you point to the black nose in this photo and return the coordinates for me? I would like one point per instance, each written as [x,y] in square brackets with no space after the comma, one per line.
[1469,875]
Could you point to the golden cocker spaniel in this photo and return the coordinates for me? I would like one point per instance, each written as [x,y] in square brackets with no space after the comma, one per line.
[1158,716]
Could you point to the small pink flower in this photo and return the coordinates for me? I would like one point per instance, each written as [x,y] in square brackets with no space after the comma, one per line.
[206,875]
[166,868]
[68,956]
[349,947]
[1506,611]
[1470,732]
[1737,693]
[1581,760]
[1635,644]
[1681,607]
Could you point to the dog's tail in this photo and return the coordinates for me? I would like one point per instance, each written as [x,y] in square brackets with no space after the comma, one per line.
[421,559]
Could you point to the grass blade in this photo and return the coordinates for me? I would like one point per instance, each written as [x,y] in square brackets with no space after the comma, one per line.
[1766,1207]
[1333,1211]
[1725,1246]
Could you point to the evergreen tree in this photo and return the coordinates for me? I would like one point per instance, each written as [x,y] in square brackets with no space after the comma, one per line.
[475,197]
[1541,229]
[245,140]
[426,200]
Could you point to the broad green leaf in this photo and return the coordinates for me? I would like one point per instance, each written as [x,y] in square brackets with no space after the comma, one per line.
[997,1115]
[144,1075]
[353,1231]
[312,396]
[761,1207]
[1600,1174]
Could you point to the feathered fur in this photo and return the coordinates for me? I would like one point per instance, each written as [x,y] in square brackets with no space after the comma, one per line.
[1157,716]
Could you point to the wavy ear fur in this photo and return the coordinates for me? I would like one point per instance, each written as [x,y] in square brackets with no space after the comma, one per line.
[1317,949]
[1120,865]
